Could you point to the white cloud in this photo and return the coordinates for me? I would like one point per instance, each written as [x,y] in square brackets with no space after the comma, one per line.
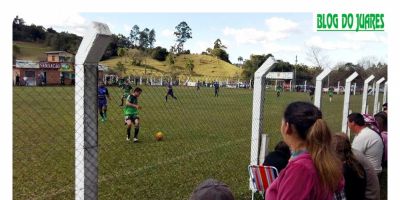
[253,36]
[277,24]
[127,29]
[277,29]
[167,33]
[331,45]
[72,23]
[200,46]
[274,48]
[364,37]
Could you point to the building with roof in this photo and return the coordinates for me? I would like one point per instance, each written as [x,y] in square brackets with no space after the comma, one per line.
[59,69]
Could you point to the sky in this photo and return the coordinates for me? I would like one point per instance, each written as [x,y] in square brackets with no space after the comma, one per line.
[285,35]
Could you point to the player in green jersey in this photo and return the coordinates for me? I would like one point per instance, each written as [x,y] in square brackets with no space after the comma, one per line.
[330,93]
[131,112]
[127,90]
[278,90]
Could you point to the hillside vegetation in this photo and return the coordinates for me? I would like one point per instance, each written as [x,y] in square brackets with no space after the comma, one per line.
[30,51]
[204,66]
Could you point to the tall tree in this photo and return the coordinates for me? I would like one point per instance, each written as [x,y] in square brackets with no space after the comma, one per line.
[183,33]
[316,56]
[121,68]
[250,66]
[189,65]
[240,59]
[122,52]
[144,38]
[151,38]
[219,51]
[218,44]
[134,35]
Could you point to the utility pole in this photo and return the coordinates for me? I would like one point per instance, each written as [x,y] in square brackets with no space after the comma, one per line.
[295,69]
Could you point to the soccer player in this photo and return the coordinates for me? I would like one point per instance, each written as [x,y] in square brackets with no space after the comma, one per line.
[127,90]
[278,90]
[216,88]
[131,112]
[312,90]
[198,85]
[102,95]
[170,92]
[330,93]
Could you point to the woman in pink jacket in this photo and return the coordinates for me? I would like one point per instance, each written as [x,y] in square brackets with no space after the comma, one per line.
[314,171]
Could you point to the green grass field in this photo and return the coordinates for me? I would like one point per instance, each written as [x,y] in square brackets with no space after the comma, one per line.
[206,137]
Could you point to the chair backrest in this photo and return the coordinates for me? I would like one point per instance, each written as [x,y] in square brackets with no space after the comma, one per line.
[262,176]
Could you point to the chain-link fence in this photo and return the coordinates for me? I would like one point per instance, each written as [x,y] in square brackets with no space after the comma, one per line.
[207,134]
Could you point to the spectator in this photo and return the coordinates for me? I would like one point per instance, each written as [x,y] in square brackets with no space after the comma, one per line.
[314,170]
[366,140]
[381,122]
[25,81]
[17,79]
[384,107]
[372,189]
[353,171]
[212,189]
[278,158]
[370,122]
[312,91]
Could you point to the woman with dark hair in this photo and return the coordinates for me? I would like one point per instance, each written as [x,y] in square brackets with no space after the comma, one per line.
[353,171]
[314,171]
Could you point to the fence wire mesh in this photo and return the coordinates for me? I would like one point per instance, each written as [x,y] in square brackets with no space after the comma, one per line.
[206,135]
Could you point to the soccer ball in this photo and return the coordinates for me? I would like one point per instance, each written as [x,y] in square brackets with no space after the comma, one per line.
[159,136]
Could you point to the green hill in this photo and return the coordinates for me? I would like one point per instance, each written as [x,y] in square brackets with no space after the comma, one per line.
[31,51]
[204,66]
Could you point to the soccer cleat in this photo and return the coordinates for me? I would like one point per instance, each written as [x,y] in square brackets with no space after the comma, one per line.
[135,140]
[127,139]
[102,120]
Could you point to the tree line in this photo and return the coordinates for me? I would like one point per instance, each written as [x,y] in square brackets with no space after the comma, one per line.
[365,67]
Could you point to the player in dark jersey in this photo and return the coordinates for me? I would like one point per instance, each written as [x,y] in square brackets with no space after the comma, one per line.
[131,112]
[102,95]
[198,85]
[216,88]
[127,90]
[312,90]
[170,92]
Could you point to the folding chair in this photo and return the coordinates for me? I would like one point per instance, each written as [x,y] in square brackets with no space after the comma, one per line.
[261,178]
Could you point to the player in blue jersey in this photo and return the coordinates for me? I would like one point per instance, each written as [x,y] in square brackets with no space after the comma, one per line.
[170,92]
[102,95]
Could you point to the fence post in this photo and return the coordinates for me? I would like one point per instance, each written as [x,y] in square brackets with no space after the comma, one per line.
[365,94]
[318,86]
[385,93]
[305,86]
[258,109]
[90,51]
[377,85]
[346,102]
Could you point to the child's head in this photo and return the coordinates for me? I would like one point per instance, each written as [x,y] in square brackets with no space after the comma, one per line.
[212,189]
[283,147]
